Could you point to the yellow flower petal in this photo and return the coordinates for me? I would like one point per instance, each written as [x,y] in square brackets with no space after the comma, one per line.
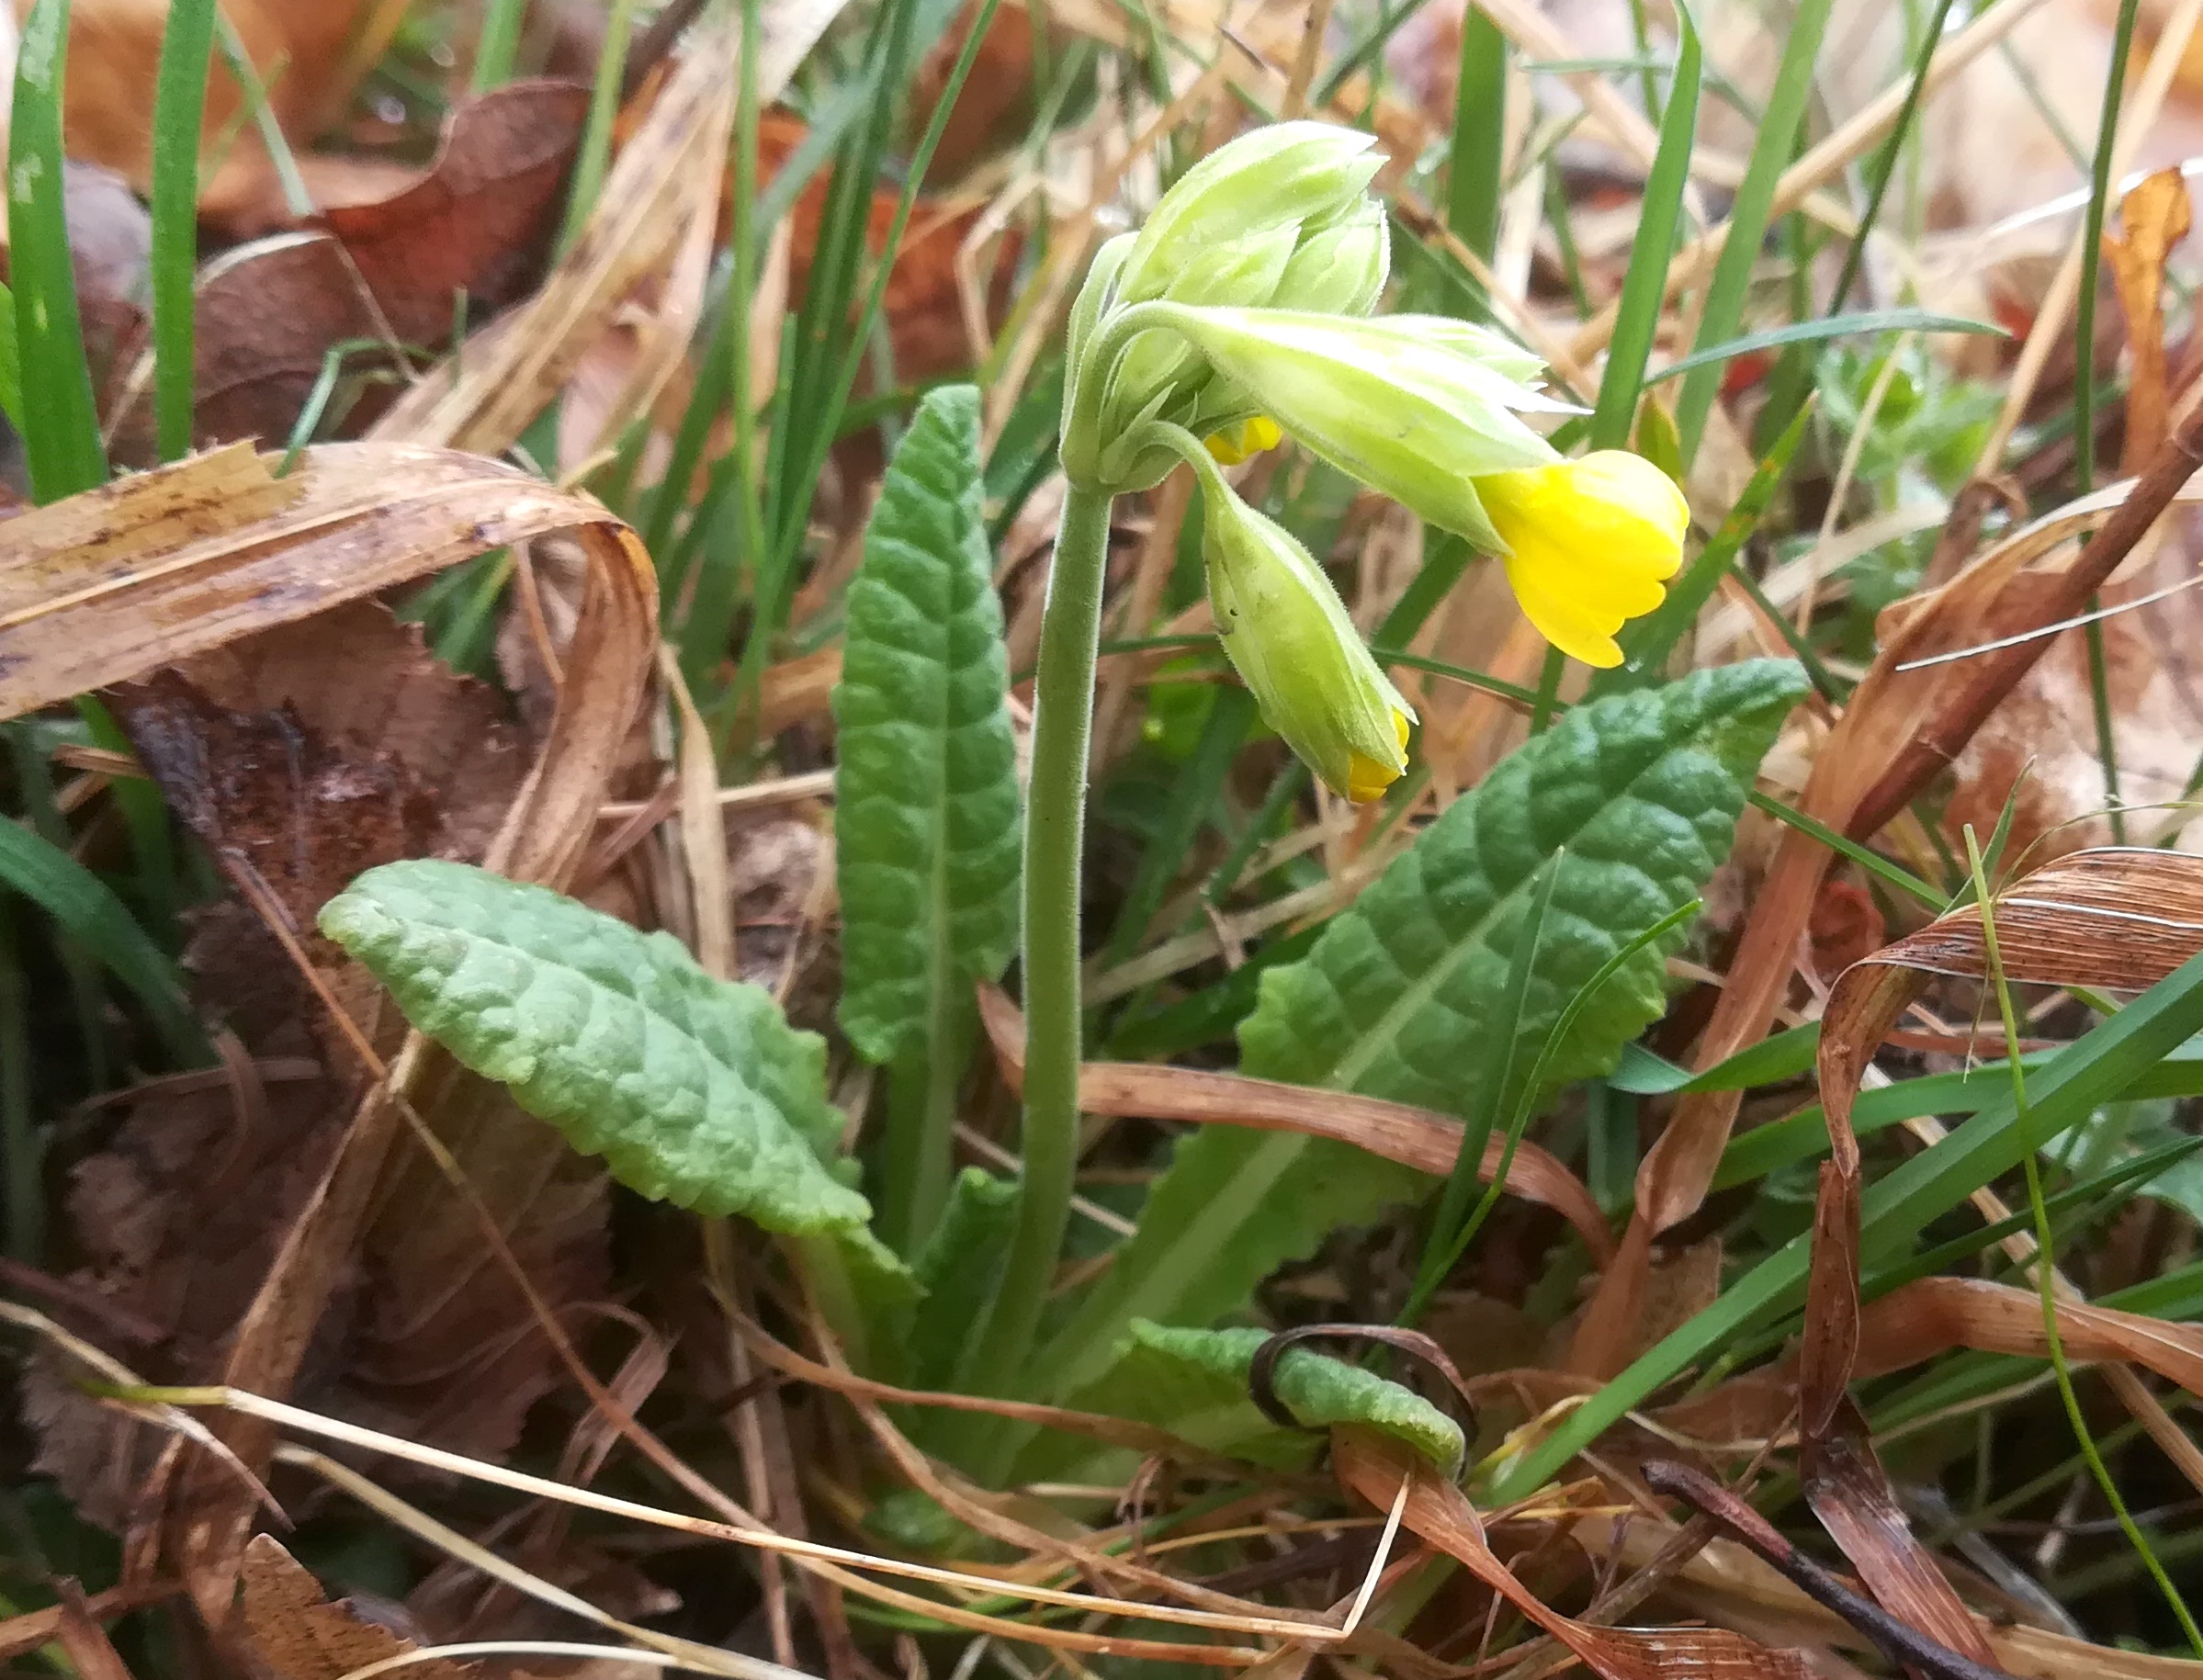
[1592,545]
[1244,441]
[1366,779]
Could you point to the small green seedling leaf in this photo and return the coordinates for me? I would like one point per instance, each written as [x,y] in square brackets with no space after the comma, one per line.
[1194,1383]
[696,1090]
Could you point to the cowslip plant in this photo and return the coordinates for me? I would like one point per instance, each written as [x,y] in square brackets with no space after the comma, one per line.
[1237,315]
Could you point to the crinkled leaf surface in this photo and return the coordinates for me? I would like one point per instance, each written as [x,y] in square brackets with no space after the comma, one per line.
[1641,791]
[926,821]
[1193,1383]
[696,1090]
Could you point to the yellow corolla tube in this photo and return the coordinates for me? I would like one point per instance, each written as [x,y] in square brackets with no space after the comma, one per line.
[1244,441]
[1591,543]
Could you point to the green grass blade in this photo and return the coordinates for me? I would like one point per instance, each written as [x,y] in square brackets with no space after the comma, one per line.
[2091,1071]
[22,1150]
[11,365]
[1824,327]
[1476,181]
[1637,317]
[1755,198]
[87,909]
[60,417]
[1496,1099]
[179,109]
[595,154]
[498,45]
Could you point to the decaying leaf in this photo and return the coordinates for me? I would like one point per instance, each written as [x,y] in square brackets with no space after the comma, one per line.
[465,239]
[2153,219]
[288,1624]
[103,587]
[309,752]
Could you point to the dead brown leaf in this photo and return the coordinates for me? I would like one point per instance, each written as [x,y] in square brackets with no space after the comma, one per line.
[467,235]
[310,752]
[2153,219]
[286,1623]
[1382,1472]
[308,54]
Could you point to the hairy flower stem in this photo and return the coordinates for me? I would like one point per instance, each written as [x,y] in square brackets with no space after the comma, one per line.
[1054,828]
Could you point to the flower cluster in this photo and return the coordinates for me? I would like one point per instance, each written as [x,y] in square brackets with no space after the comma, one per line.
[1241,313]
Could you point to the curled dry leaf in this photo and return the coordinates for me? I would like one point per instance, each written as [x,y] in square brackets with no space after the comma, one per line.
[1414,1137]
[105,587]
[2114,918]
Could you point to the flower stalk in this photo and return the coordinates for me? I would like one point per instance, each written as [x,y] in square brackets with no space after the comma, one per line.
[1239,314]
[1063,687]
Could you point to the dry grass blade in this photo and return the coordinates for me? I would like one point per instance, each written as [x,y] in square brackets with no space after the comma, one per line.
[1414,1137]
[836,1563]
[666,183]
[1441,1514]
[1931,1315]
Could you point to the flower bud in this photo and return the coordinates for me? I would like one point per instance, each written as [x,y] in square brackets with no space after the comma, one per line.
[1590,545]
[1276,176]
[1340,267]
[1242,270]
[1288,636]
[1410,405]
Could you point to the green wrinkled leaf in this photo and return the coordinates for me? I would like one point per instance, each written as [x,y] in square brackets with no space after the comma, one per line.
[1641,791]
[1193,1383]
[927,799]
[696,1090]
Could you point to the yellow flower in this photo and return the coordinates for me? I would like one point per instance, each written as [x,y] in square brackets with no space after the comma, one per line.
[1592,544]
[1367,778]
[1244,441]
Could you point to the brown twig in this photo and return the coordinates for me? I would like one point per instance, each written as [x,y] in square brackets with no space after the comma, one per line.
[1902,1644]
[1924,756]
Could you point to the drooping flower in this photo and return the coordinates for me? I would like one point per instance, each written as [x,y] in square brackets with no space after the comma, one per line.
[1590,543]
[1288,636]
